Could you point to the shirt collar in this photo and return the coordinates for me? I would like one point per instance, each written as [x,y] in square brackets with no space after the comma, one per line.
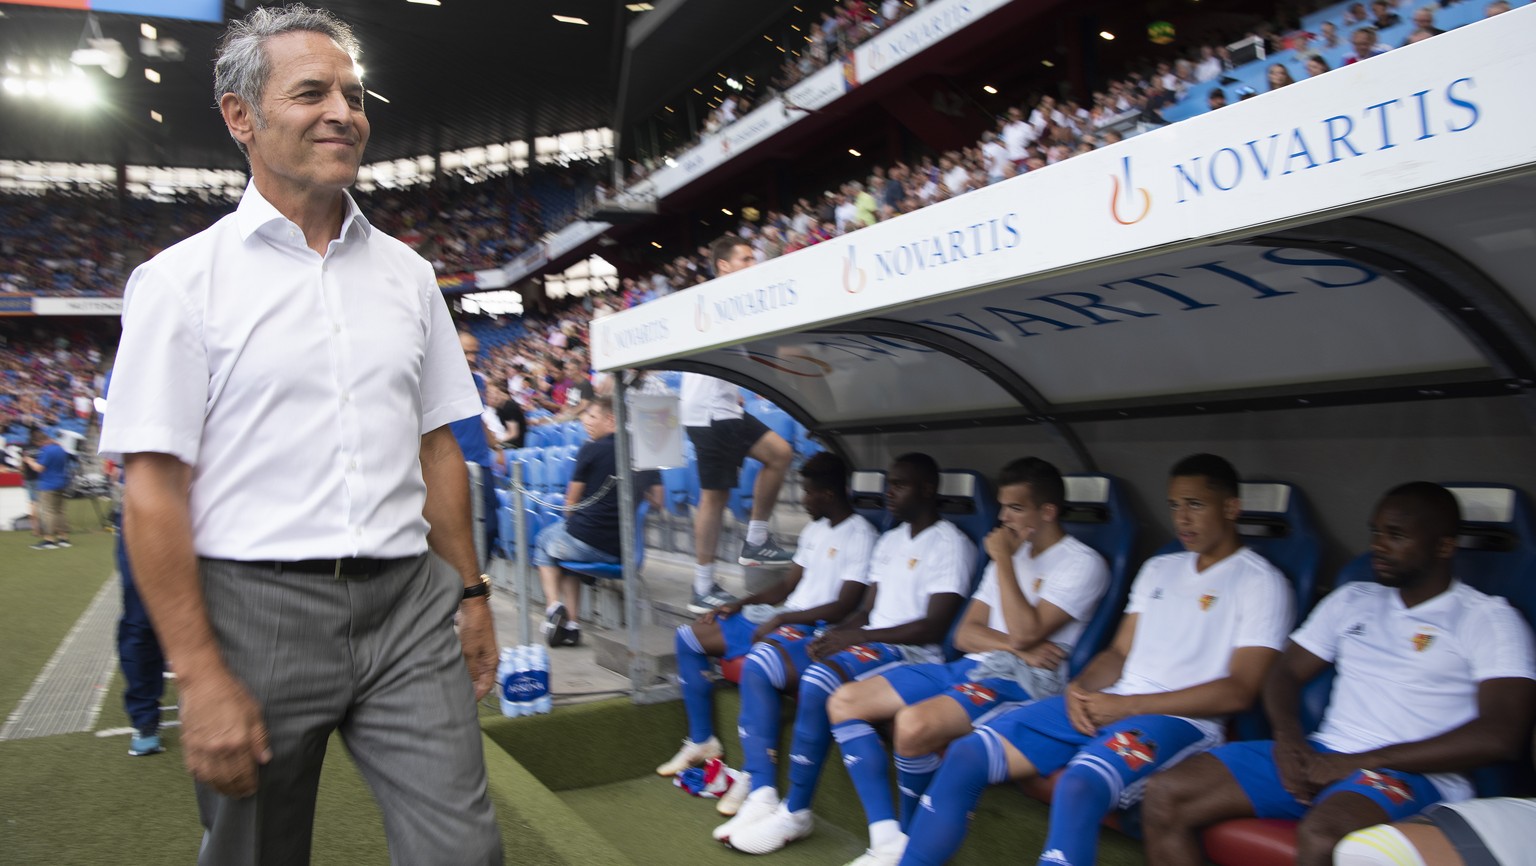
[254,212]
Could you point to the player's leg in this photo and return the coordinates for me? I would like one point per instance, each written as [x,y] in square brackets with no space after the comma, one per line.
[1364,799]
[922,731]
[1109,771]
[1403,844]
[972,763]
[851,710]
[1180,802]
[695,643]
[772,667]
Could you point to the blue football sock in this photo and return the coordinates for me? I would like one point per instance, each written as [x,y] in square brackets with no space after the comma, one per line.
[813,735]
[762,676]
[1081,800]
[944,812]
[913,775]
[865,759]
[698,691]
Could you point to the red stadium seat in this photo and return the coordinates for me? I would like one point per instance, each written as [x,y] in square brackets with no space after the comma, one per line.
[1252,842]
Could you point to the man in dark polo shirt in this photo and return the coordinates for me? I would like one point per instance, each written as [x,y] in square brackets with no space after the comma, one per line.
[590,530]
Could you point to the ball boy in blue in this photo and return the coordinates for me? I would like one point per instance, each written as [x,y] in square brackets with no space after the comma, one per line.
[1200,632]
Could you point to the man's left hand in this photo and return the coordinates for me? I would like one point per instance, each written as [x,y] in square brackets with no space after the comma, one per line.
[477,632]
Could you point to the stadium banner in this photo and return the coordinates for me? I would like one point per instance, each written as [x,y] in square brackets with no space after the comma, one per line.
[904,40]
[77,306]
[15,305]
[1440,112]
[453,283]
[915,34]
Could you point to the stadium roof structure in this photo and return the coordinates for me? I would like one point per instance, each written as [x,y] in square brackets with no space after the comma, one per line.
[462,74]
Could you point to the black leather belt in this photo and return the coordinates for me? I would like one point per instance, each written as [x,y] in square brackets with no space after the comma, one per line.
[338,568]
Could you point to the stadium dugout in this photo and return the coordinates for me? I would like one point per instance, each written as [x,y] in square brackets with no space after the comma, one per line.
[1325,284]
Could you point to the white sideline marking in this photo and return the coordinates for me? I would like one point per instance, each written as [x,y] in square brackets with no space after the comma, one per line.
[105,596]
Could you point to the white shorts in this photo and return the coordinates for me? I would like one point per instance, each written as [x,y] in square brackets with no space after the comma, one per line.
[1500,830]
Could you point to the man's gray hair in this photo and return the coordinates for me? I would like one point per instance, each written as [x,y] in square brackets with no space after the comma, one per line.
[242,66]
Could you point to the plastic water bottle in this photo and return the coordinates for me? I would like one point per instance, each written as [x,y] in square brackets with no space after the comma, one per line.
[504,672]
[542,703]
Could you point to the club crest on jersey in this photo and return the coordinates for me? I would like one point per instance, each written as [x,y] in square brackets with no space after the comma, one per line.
[1038,582]
[831,552]
[1394,788]
[1206,601]
[977,693]
[912,563]
[1422,640]
[1134,749]
[864,652]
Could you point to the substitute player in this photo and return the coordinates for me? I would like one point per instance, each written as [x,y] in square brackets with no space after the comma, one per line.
[773,627]
[919,575]
[1434,679]
[1017,632]
[1200,632]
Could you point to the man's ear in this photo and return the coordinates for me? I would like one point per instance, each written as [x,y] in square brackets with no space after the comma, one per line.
[238,117]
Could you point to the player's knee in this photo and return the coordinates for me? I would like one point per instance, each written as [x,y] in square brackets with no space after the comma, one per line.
[1174,798]
[915,732]
[842,706]
[1319,832]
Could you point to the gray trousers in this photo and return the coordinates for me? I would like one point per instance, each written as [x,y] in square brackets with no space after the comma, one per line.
[378,660]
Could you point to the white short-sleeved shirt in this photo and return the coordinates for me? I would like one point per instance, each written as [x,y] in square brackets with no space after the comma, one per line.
[297,386]
[828,557]
[1190,622]
[907,570]
[1017,136]
[1069,574]
[705,400]
[1408,674]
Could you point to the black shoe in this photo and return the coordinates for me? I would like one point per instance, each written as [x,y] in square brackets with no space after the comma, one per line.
[554,625]
[570,636]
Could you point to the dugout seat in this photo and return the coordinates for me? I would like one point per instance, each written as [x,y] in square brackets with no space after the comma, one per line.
[1496,553]
[1099,515]
[866,489]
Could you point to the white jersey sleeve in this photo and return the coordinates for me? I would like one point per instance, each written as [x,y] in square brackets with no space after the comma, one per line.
[1319,635]
[1500,645]
[1074,578]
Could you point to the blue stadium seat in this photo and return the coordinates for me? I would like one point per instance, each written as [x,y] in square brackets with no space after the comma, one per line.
[966,500]
[1099,515]
[612,571]
[867,492]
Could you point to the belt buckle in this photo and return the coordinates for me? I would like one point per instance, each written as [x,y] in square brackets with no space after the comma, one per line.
[338,568]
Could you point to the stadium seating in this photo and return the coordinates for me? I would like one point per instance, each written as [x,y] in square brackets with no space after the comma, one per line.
[609,570]
[966,500]
[1496,554]
[867,492]
[1099,514]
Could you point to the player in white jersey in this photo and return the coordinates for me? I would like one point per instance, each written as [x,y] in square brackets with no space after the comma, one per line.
[1200,632]
[1434,679]
[1019,628]
[919,575]
[825,584]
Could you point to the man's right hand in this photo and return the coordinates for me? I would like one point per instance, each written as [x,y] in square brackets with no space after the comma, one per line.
[718,613]
[1292,762]
[222,733]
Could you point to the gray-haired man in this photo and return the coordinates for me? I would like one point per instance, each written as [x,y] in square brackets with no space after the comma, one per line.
[281,401]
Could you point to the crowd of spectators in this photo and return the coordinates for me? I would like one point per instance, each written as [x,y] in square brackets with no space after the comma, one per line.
[85,244]
[50,374]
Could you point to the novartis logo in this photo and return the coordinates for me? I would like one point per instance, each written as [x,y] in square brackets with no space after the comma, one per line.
[1116,189]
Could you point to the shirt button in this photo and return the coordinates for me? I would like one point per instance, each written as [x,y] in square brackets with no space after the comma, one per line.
[357,530]
[335,329]
[352,465]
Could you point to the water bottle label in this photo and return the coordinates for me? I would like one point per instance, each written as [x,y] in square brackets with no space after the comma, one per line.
[526,686]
